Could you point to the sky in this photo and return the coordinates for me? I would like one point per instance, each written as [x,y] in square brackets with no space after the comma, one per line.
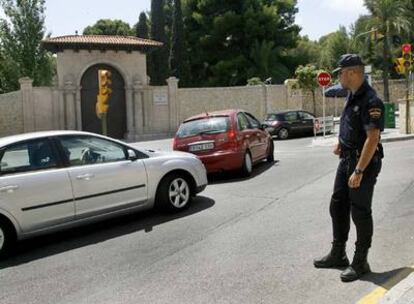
[316,17]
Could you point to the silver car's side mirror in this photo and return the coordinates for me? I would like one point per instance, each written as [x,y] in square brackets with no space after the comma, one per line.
[132,155]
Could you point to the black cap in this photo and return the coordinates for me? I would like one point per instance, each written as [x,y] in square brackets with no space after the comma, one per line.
[348,60]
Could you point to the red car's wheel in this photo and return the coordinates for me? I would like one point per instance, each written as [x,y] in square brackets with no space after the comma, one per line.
[247,167]
[271,155]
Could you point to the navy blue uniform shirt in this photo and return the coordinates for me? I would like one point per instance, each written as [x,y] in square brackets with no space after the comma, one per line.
[363,111]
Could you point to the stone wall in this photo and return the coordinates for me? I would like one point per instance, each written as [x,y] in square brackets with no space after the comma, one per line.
[333,106]
[397,90]
[195,101]
[158,111]
[258,100]
[45,109]
[278,97]
[11,114]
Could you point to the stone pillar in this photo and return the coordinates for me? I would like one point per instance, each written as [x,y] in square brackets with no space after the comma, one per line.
[78,109]
[29,117]
[69,104]
[402,116]
[139,108]
[130,135]
[148,108]
[173,103]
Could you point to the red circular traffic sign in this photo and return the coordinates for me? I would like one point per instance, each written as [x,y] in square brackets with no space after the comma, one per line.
[324,79]
[406,48]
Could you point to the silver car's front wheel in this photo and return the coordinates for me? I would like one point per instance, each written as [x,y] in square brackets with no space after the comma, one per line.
[174,192]
[179,193]
[7,238]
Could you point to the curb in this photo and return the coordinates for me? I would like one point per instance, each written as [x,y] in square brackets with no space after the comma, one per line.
[402,293]
[398,138]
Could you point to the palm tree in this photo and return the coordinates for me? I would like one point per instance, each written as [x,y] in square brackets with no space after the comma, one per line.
[388,17]
[266,62]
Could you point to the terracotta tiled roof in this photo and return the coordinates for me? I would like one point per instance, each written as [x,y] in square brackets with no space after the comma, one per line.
[99,42]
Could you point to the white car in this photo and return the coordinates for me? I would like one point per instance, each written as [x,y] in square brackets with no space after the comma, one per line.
[59,179]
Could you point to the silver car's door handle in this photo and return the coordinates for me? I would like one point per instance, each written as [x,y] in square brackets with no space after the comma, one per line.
[9,188]
[85,176]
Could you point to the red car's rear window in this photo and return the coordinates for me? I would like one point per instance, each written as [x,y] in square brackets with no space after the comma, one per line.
[207,125]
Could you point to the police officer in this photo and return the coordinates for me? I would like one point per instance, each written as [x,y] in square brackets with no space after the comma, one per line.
[361,154]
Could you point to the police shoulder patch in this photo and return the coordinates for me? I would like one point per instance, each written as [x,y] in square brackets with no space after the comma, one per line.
[375,113]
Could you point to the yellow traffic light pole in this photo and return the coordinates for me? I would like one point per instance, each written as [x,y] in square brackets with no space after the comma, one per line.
[102,104]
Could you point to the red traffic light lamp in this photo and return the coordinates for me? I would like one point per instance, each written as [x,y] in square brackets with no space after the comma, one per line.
[407,56]
[406,48]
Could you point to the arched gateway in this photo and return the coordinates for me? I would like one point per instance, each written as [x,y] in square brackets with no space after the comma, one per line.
[78,60]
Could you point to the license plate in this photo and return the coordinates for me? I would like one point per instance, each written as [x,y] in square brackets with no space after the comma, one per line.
[201,147]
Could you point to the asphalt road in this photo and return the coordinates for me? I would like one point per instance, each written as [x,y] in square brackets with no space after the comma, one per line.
[242,241]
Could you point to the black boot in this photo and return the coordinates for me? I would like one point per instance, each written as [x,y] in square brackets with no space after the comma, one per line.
[335,259]
[359,266]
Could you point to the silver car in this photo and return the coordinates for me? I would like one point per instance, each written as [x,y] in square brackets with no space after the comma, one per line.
[60,179]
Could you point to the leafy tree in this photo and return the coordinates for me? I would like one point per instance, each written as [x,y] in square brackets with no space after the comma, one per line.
[306,77]
[158,59]
[265,61]
[168,26]
[142,26]
[227,39]
[334,45]
[306,52]
[21,54]
[177,42]
[389,17]
[254,81]
[109,27]
[169,17]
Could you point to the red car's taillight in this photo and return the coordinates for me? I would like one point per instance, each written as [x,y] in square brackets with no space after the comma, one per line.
[231,139]
[175,143]
[231,135]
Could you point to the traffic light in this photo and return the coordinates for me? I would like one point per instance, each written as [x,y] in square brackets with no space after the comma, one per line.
[407,57]
[399,66]
[105,91]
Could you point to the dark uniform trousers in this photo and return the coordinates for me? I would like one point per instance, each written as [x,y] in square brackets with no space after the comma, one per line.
[356,202]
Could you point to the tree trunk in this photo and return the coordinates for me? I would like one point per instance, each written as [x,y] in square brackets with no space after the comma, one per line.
[386,69]
[314,102]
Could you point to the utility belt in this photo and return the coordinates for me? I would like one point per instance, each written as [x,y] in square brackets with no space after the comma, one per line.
[355,154]
[350,154]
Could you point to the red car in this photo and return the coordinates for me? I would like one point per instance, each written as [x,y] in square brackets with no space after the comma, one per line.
[225,140]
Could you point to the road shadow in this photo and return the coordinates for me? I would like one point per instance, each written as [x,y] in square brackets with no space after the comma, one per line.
[59,242]
[388,279]
[234,177]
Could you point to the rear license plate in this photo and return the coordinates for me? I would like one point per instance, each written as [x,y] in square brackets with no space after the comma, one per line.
[201,147]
